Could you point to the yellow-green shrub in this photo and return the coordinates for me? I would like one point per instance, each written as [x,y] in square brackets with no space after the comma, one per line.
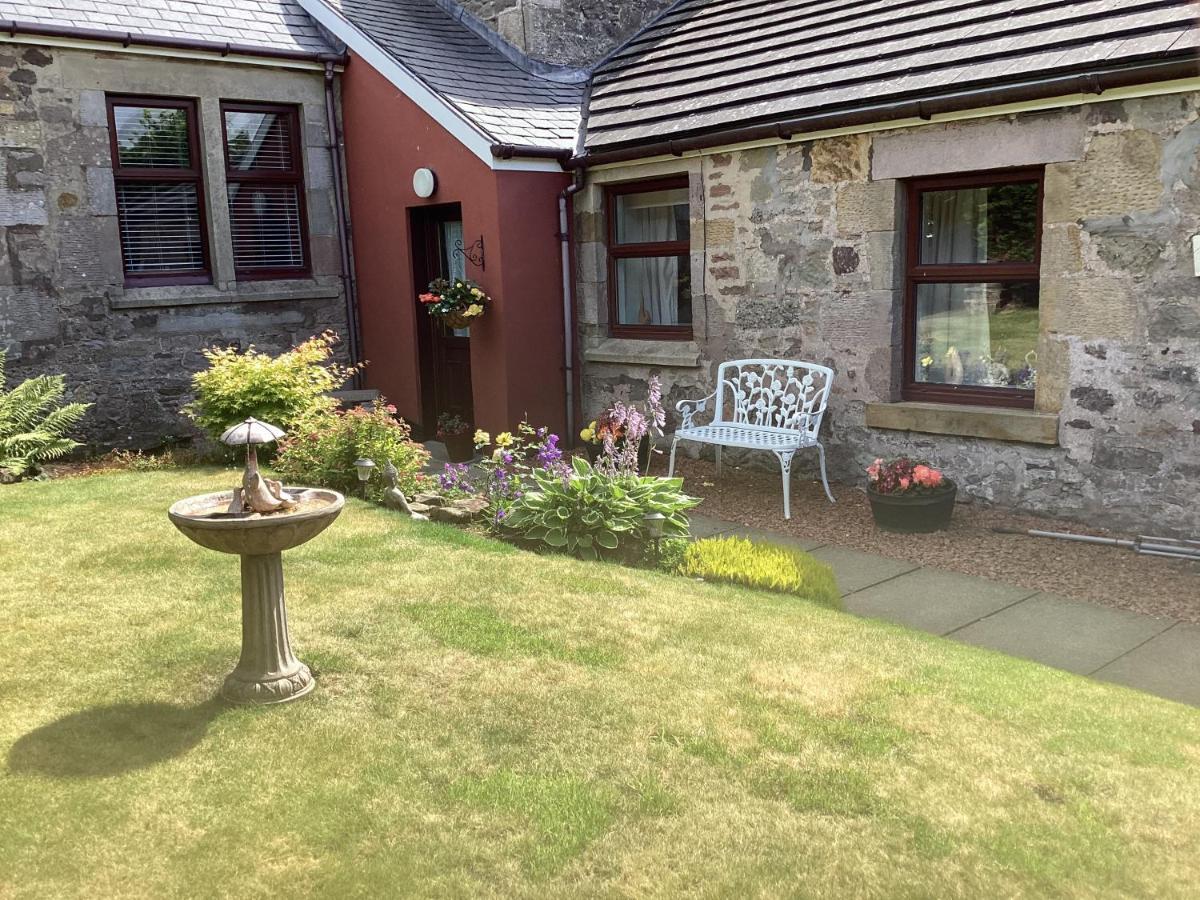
[738,561]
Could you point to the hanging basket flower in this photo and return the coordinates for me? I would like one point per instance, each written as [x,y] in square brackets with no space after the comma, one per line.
[458,302]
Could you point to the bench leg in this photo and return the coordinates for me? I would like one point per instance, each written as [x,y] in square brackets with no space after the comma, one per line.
[785,464]
[671,467]
[824,480]
[718,460]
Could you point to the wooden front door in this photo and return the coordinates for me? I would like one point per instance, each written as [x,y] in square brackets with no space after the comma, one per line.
[445,352]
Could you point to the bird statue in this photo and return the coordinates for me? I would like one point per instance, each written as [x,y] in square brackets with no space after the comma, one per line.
[394,498]
[257,494]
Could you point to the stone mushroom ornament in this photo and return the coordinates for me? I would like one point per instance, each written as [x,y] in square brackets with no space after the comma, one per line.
[257,494]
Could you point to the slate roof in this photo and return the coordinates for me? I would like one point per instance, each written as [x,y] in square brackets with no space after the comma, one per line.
[715,64]
[270,24]
[505,102]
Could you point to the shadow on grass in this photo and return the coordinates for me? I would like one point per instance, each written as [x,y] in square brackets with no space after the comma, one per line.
[112,740]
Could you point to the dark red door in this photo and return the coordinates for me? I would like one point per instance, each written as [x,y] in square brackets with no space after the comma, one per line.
[445,352]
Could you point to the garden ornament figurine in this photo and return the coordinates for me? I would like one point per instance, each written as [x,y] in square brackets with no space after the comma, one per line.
[257,494]
[394,498]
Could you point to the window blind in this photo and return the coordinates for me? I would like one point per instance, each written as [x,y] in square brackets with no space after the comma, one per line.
[266,190]
[158,182]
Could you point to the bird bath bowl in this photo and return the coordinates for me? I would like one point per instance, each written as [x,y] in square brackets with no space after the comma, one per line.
[267,672]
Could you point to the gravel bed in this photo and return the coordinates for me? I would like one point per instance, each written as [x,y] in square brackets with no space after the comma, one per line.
[1108,576]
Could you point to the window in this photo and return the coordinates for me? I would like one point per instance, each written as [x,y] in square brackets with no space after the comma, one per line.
[971,312]
[160,208]
[649,260]
[266,190]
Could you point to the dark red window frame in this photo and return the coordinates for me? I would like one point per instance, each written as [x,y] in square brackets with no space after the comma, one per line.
[916,274]
[626,251]
[193,174]
[256,177]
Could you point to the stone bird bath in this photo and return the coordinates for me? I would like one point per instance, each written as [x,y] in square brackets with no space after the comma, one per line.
[231,522]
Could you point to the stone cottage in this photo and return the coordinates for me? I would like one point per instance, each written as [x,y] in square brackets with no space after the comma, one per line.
[167,185]
[983,216]
[986,219]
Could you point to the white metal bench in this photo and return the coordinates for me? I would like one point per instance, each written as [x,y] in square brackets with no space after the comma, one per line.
[762,404]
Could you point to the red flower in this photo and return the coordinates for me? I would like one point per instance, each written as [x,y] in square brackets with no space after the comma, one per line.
[428,298]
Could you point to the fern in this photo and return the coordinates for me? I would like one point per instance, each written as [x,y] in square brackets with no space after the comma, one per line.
[35,423]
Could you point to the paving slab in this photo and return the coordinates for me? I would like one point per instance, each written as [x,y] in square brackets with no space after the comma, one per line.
[934,600]
[703,526]
[855,570]
[1167,665]
[1078,637]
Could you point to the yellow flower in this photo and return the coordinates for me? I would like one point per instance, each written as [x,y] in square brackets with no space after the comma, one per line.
[482,437]
[587,434]
[927,360]
[476,292]
[473,310]
[504,439]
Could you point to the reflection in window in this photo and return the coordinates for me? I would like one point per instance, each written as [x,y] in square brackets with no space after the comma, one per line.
[974,289]
[983,335]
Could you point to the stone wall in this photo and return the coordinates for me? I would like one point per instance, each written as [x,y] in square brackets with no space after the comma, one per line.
[63,304]
[565,32]
[797,254]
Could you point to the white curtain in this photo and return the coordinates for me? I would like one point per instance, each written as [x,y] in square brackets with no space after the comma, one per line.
[648,288]
[953,319]
[455,264]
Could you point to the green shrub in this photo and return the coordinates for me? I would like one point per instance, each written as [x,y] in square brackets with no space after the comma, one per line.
[283,390]
[323,448]
[593,515]
[34,424]
[738,561]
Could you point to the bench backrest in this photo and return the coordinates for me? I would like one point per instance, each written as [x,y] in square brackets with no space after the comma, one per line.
[783,394]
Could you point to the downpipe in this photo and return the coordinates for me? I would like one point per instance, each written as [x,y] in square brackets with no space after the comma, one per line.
[568,293]
[348,278]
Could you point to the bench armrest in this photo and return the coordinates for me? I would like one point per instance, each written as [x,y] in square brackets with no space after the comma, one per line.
[689,409]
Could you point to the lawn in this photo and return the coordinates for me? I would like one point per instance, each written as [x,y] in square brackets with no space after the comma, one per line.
[489,722]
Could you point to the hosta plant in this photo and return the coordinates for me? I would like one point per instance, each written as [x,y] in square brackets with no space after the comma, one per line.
[592,514]
[35,424]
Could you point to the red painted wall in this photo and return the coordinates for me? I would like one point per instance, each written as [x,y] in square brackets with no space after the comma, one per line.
[516,350]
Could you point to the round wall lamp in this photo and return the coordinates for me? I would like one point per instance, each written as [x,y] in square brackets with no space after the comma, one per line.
[424,183]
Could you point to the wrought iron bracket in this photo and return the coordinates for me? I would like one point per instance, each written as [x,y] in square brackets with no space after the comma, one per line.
[472,254]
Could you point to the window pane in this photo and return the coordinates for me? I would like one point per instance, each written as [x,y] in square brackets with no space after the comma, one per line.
[980,225]
[265,220]
[977,334]
[259,140]
[654,290]
[152,137]
[652,217]
[160,227]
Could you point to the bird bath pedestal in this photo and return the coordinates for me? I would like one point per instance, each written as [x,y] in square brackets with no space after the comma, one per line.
[268,671]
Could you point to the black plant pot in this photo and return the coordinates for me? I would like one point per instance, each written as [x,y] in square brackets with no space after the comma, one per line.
[459,447]
[913,513]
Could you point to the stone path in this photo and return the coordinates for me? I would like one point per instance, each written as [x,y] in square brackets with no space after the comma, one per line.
[1158,656]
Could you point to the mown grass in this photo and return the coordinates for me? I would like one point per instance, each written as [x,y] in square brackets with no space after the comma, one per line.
[489,722]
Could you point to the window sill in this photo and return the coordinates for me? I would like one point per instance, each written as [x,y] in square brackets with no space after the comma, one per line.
[178,295]
[1024,426]
[631,351]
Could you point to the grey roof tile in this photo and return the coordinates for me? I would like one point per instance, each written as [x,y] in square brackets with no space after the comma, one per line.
[715,64]
[270,24]
[505,102]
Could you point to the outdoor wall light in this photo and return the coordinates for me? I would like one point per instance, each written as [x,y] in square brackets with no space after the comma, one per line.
[424,183]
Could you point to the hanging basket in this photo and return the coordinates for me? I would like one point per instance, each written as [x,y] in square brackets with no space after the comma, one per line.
[456,320]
